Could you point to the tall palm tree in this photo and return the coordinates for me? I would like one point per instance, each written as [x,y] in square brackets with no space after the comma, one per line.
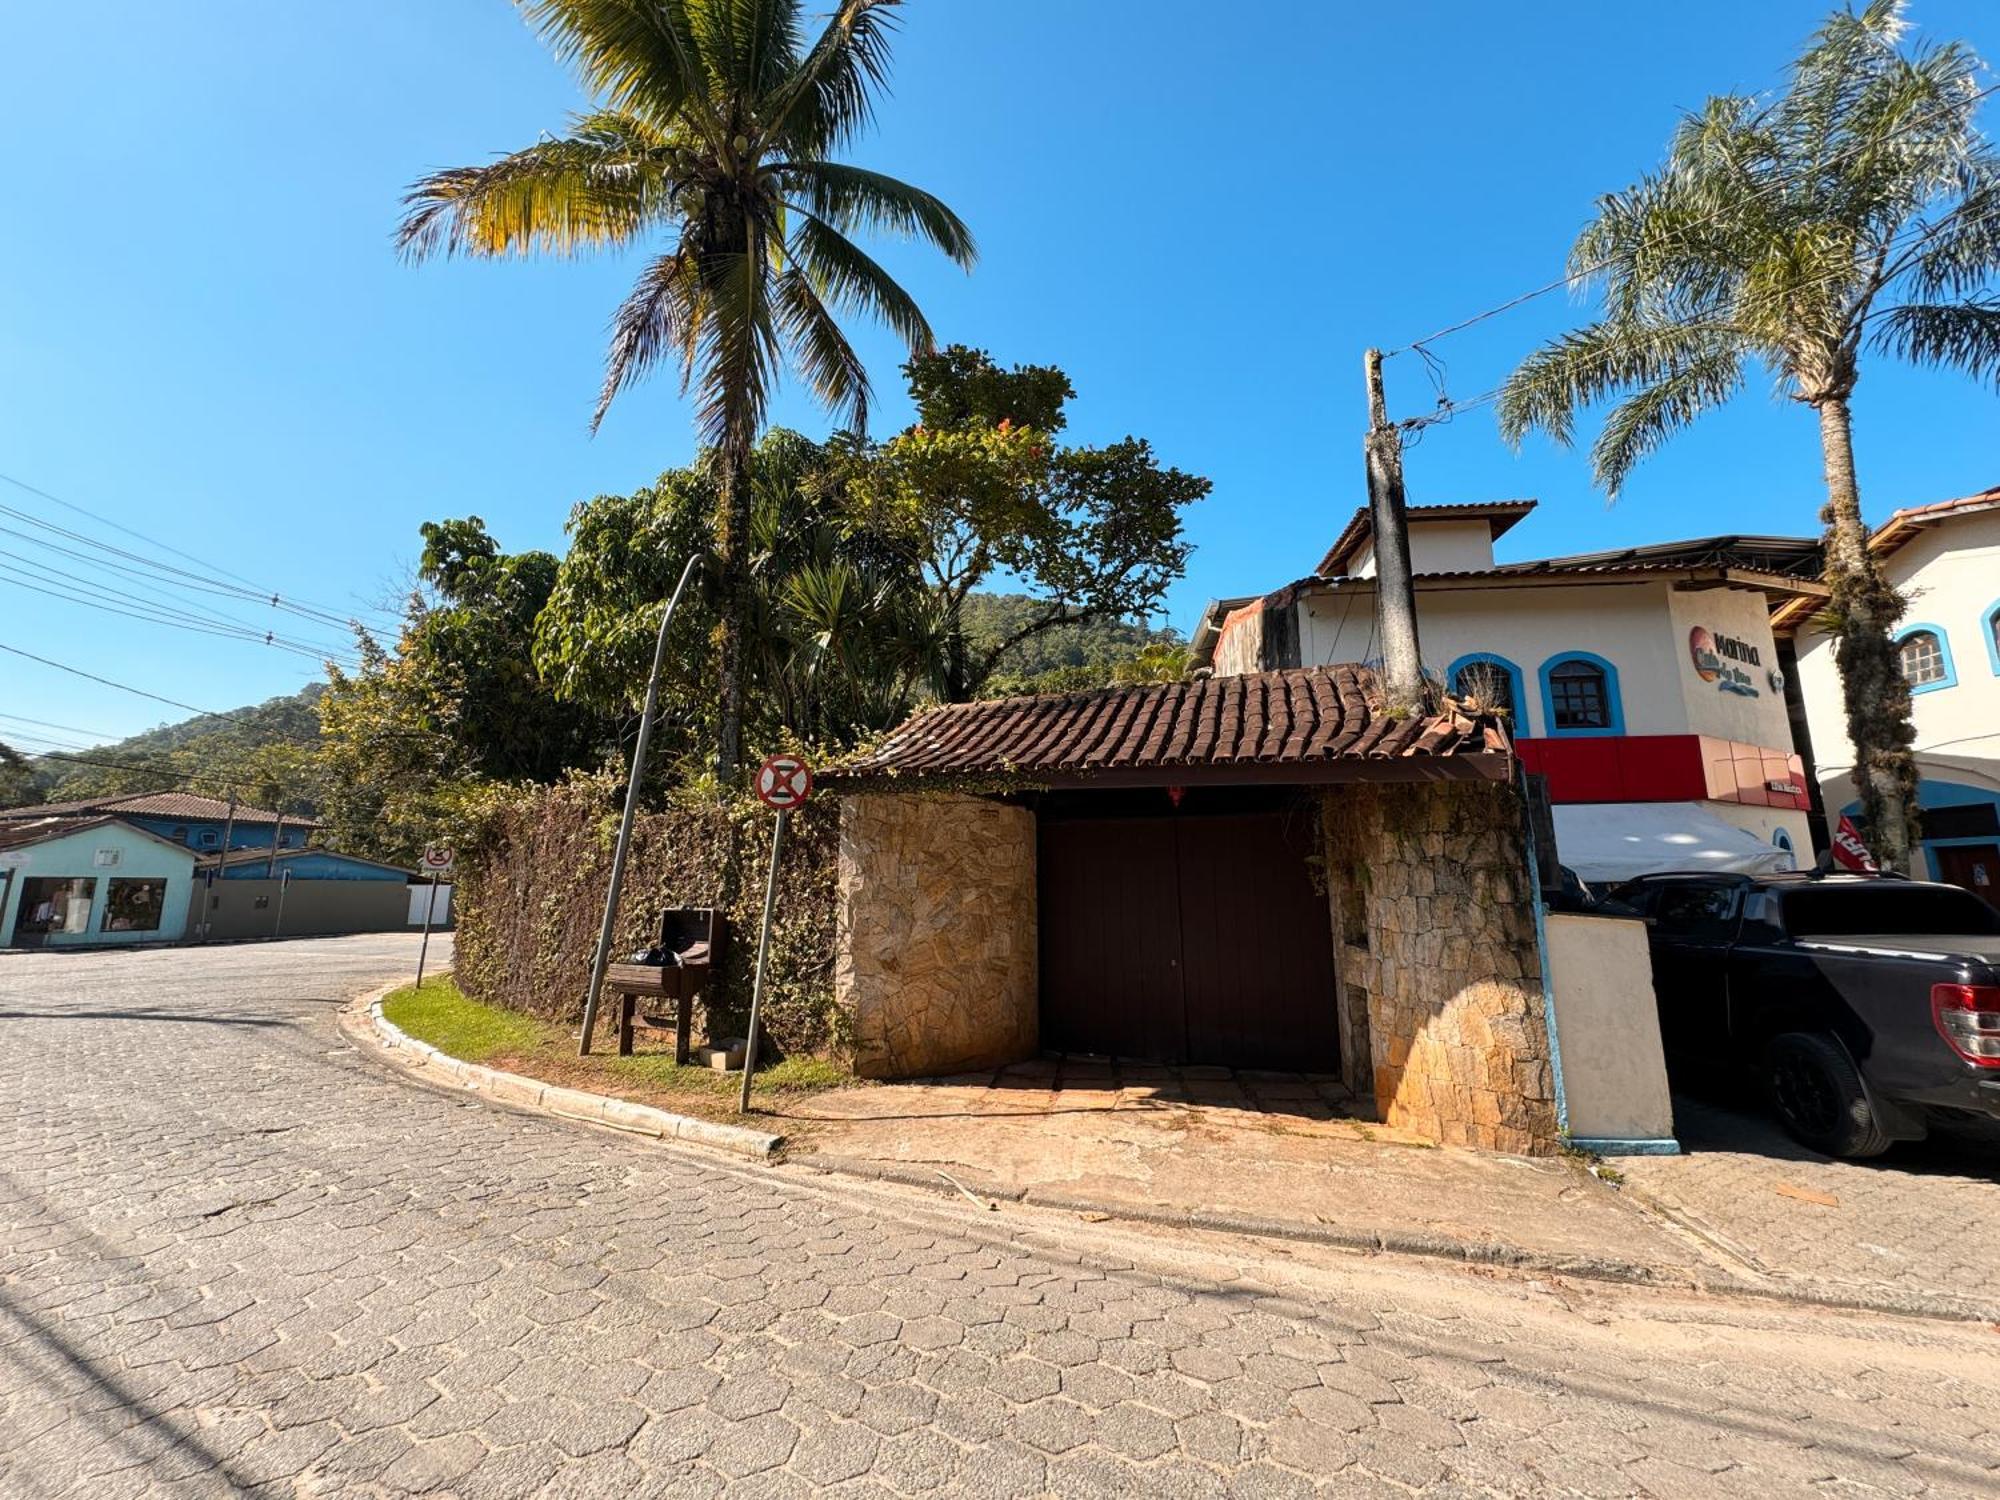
[1858,211]
[716,125]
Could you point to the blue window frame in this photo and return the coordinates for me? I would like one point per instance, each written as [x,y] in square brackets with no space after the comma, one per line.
[1492,679]
[1923,652]
[1580,696]
[1989,627]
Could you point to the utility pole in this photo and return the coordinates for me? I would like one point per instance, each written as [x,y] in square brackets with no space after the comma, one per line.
[1395,595]
[615,887]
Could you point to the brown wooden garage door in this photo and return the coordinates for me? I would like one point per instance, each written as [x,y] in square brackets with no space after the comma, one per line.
[1186,937]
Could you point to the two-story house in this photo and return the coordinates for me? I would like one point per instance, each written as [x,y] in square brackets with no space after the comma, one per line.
[1944,559]
[1645,684]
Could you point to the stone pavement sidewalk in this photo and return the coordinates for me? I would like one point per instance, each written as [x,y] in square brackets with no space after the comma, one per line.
[1272,1153]
[1920,1225]
[1746,1210]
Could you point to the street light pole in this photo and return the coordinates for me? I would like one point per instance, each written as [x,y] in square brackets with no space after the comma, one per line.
[638,774]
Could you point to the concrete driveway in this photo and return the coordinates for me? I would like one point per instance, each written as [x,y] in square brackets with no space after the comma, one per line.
[237,1259]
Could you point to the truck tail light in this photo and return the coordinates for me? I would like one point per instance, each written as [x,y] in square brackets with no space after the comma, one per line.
[1968,1017]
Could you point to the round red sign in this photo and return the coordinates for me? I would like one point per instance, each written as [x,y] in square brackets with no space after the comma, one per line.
[783,782]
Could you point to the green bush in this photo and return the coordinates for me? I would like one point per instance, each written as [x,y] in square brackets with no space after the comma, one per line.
[530,898]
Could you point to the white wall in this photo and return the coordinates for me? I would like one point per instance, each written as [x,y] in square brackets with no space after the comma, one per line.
[1627,624]
[1608,1030]
[1439,547]
[1950,574]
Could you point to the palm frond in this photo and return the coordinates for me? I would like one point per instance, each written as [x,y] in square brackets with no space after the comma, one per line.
[1961,335]
[821,351]
[597,188]
[1562,378]
[738,349]
[1644,421]
[660,317]
[856,282]
[830,97]
[849,198]
[644,58]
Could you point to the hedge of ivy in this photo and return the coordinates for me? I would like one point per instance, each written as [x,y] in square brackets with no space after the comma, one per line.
[530,898]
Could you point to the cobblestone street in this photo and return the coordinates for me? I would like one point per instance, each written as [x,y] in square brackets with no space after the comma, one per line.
[236,1257]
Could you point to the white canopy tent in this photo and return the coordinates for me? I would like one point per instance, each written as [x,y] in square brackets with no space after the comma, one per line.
[1611,841]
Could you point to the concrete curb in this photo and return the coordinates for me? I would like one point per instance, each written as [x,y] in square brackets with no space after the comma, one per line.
[1403,1242]
[396,1046]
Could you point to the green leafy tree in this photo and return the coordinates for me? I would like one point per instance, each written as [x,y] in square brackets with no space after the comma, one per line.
[840,639]
[980,491]
[457,703]
[717,127]
[1858,211]
[17,779]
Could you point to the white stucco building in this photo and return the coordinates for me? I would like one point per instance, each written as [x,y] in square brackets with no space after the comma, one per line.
[1645,684]
[1944,559]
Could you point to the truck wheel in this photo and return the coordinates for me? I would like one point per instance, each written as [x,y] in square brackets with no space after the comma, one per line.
[1816,1094]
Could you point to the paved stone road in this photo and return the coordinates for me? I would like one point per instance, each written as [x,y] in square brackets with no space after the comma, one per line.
[236,1258]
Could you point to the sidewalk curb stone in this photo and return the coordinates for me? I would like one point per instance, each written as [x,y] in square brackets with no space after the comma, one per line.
[529,1093]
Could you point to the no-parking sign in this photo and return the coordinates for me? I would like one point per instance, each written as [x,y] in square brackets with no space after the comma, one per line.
[784,782]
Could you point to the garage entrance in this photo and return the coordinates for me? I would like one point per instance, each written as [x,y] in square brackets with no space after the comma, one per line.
[1188,934]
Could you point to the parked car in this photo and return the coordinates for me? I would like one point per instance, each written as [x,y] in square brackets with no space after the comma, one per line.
[1870,1005]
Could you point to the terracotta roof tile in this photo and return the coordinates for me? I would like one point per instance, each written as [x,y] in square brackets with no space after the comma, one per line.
[160,805]
[1300,716]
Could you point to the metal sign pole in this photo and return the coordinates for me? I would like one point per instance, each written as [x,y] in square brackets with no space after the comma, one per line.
[763,954]
[638,775]
[430,911]
[284,884]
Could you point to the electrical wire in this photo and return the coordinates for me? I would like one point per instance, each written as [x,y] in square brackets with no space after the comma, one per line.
[1584,273]
[335,612]
[123,687]
[100,734]
[150,614]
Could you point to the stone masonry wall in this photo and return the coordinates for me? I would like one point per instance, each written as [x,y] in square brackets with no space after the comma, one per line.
[936,944]
[1439,946]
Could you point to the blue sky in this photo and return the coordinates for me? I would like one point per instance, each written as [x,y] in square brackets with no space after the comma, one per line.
[1203,213]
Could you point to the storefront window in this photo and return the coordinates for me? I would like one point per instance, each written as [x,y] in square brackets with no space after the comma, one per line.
[134,905]
[54,904]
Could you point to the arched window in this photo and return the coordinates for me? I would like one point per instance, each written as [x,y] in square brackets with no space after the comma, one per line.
[1924,655]
[1580,695]
[1490,681]
[1992,632]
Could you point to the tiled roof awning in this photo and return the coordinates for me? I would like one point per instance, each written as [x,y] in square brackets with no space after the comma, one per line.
[1312,724]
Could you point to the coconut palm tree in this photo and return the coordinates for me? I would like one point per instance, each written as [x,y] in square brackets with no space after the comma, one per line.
[1858,211]
[718,119]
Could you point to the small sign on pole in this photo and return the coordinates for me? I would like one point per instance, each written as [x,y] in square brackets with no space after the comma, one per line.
[783,783]
[436,861]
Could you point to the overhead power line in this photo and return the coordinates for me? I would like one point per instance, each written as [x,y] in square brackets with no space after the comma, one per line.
[101,734]
[1584,273]
[153,615]
[335,612]
[123,687]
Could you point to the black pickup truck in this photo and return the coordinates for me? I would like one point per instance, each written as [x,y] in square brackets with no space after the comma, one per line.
[1870,1005]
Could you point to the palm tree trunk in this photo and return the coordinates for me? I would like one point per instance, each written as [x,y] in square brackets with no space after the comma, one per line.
[1871,679]
[734,558]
